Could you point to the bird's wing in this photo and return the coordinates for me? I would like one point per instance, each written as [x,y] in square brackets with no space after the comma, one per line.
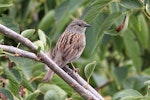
[69,47]
[74,47]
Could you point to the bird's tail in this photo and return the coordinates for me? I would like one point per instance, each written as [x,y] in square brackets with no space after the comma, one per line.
[49,74]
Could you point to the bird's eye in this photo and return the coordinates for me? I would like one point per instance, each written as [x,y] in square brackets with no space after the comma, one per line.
[79,24]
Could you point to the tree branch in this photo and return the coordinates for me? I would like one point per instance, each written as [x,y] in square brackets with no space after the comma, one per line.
[18,52]
[45,59]
[26,54]
[81,81]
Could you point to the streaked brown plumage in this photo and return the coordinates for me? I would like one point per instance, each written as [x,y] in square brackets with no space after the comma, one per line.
[69,46]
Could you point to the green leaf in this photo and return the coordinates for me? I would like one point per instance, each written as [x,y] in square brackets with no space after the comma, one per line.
[47,21]
[146,98]
[62,14]
[28,33]
[7,93]
[14,81]
[119,73]
[61,11]
[99,79]
[9,22]
[129,83]
[62,84]
[108,22]
[148,89]
[143,33]
[135,82]
[50,95]
[17,74]
[126,93]
[5,5]
[14,88]
[48,5]
[25,9]
[112,32]
[133,49]
[32,96]
[27,85]
[10,76]
[38,50]
[118,43]
[62,18]
[1,51]
[92,33]
[147,8]
[132,98]
[131,4]
[1,37]
[139,84]
[140,29]
[61,94]
[26,65]
[146,63]
[95,9]
[147,82]
[114,7]
[74,5]
[88,70]
[39,44]
[42,36]
[31,34]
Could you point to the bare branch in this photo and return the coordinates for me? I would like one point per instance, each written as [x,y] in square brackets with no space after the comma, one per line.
[19,52]
[30,55]
[81,81]
[45,59]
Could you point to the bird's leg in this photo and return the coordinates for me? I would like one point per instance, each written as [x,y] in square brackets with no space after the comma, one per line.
[75,69]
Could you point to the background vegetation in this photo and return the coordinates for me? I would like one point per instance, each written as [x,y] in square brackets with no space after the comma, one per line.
[118,47]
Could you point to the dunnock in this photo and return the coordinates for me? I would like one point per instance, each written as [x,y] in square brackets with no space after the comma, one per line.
[69,46]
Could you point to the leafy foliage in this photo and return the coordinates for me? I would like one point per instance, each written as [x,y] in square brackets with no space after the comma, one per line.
[118,42]
[88,70]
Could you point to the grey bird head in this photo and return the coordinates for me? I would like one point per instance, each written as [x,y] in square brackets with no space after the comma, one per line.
[77,26]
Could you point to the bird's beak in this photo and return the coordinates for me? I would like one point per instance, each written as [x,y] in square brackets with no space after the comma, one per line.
[88,25]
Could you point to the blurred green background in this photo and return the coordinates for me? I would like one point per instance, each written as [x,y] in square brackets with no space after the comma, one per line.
[118,48]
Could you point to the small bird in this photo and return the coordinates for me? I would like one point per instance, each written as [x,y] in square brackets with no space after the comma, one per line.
[69,46]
